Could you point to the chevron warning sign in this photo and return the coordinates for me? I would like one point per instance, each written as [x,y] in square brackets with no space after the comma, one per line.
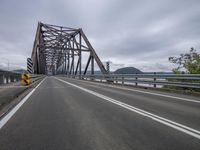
[30,65]
[25,79]
[108,66]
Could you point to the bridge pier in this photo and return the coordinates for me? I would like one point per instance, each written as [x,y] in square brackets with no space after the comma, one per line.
[1,79]
[12,78]
[7,79]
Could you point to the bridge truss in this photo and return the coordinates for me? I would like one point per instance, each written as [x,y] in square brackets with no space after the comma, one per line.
[60,49]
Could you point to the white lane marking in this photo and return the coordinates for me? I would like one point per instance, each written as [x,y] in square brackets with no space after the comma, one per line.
[5,119]
[150,93]
[185,129]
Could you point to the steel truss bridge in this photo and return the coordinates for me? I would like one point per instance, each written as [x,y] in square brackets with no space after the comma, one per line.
[60,49]
[80,110]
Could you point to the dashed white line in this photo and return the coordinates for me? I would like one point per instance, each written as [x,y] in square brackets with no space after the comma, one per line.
[180,127]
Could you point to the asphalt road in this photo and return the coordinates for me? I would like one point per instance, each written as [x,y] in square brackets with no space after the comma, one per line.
[71,114]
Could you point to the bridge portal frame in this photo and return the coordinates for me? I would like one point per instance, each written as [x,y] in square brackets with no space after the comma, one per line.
[59,49]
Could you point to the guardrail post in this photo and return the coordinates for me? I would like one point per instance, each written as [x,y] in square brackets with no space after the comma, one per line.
[136,78]
[92,78]
[154,79]
[122,80]
[116,80]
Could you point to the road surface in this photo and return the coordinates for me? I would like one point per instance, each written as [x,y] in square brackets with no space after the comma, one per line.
[69,114]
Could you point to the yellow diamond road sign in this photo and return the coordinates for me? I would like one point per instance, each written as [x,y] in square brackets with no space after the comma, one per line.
[25,76]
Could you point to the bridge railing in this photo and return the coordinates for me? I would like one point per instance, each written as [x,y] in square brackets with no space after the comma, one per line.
[7,77]
[147,80]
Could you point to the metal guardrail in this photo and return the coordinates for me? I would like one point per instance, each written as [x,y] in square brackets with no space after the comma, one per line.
[150,80]
[7,77]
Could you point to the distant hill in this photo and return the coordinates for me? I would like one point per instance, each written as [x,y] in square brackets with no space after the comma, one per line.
[127,70]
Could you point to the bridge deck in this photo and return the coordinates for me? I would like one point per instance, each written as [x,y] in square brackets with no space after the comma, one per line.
[73,114]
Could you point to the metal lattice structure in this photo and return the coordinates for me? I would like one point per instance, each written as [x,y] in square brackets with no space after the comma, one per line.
[60,49]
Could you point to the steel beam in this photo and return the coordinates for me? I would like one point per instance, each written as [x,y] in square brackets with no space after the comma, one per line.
[56,48]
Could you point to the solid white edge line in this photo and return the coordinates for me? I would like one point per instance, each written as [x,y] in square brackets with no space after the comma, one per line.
[6,118]
[150,93]
[185,129]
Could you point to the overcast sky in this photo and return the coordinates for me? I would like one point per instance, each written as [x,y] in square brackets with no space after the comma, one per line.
[137,33]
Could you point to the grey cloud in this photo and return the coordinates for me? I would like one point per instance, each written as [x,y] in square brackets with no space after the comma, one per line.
[134,33]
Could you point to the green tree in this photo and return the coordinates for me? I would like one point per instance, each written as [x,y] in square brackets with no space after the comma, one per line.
[188,61]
